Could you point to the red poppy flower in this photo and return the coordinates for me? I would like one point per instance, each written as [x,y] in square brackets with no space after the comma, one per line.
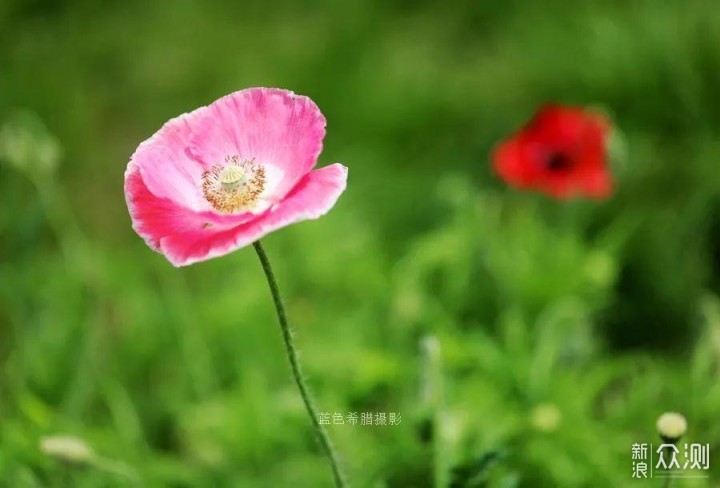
[562,152]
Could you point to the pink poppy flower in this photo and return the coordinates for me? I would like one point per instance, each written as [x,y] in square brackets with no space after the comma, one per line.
[223,176]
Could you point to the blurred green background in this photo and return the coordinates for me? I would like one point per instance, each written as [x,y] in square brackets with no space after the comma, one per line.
[524,342]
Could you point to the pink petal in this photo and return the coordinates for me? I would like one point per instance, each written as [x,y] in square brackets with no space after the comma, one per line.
[180,234]
[155,217]
[273,127]
[167,169]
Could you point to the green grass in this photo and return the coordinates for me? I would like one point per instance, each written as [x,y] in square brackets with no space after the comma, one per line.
[524,342]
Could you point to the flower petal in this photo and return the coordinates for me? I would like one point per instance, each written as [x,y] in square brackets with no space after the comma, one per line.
[273,127]
[509,161]
[154,217]
[168,170]
[313,196]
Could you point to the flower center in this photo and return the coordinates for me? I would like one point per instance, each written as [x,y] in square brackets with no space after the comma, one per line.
[231,177]
[234,185]
[558,162]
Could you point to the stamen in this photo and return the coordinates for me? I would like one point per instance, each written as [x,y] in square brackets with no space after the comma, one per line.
[233,186]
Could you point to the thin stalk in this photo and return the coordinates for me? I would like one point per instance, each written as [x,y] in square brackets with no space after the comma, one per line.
[292,355]
[666,481]
[431,379]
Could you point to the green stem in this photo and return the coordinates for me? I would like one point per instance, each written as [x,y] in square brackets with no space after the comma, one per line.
[432,398]
[668,452]
[292,355]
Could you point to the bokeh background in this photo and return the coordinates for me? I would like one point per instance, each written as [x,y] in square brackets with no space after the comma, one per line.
[525,342]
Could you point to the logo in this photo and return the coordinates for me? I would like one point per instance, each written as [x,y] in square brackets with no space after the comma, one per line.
[670,461]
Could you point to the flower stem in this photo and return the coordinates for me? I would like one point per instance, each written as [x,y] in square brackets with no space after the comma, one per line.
[431,378]
[668,451]
[292,355]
